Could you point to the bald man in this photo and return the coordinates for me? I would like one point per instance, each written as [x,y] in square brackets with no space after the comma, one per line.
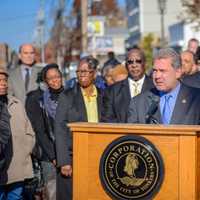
[22,78]
[190,73]
[189,65]
[193,44]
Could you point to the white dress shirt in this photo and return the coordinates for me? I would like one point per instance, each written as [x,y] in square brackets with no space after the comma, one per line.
[132,85]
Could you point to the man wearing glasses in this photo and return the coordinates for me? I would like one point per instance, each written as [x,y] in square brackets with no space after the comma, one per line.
[170,102]
[82,103]
[117,97]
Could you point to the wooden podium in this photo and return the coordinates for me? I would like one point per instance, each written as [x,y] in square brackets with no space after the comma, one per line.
[178,145]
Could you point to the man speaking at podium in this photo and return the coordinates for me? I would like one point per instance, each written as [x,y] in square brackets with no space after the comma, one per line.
[170,102]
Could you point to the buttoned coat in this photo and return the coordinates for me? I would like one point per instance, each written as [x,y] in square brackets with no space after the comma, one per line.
[18,153]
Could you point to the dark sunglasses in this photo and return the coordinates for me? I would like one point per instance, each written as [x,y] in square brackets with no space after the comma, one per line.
[137,61]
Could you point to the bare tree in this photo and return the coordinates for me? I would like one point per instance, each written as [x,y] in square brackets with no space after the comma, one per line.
[191,13]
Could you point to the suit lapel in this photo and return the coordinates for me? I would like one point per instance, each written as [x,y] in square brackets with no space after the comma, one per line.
[99,103]
[181,106]
[126,90]
[157,115]
[79,103]
[153,95]
[123,98]
[145,84]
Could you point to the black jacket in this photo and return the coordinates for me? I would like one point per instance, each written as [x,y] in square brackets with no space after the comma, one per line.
[71,108]
[5,133]
[41,125]
[117,98]
[192,80]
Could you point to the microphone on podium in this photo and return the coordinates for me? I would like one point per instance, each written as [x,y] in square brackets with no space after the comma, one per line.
[149,118]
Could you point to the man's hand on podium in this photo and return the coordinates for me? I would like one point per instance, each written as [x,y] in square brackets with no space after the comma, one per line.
[66,170]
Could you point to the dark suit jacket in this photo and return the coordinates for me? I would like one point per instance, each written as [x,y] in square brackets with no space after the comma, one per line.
[5,135]
[71,108]
[186,110]
[192,80]
[117,98]
[5,131]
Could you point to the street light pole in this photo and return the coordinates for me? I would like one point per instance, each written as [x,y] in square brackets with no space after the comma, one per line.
[84,15]
[162,9]
[41,30]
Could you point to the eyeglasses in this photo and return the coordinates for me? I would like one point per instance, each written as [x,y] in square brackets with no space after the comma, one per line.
[85,72]
[136,61]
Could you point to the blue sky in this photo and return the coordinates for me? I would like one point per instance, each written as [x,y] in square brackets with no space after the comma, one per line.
[18,19]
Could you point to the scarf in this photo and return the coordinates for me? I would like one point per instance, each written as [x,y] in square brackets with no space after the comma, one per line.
[50,98]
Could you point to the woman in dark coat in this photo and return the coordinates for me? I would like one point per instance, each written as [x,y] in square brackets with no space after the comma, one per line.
[41,108]
[81,103]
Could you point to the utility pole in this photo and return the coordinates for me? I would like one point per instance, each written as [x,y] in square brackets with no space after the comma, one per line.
[41,30]
[59,24]
[84,15]
[162,10]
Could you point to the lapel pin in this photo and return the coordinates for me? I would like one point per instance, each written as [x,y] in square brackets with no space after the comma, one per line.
[184,101]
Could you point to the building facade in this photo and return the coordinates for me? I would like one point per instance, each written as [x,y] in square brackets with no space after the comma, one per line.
[144,17]
[5,55]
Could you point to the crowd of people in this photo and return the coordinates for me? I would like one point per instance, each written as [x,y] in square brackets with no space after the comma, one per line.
[36,105]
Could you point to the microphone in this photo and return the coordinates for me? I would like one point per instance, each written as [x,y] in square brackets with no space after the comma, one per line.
[152,109]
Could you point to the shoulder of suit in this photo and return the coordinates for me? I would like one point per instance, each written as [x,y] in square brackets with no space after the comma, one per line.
[193,90]
[118,84]
[189,79]
[148,78]
[16,69]
[116,88]
[36,92]
[197,74]
[67,96]
[99,90]
[148,94]
[76,88]
[13,70]
[144,94]
[36,67]
[70,91]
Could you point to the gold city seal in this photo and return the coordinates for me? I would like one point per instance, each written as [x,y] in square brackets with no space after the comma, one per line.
[131,168]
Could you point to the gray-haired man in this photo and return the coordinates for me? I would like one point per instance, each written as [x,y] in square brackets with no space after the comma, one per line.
[170,102]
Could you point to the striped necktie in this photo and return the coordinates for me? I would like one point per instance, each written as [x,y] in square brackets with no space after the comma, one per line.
[136,89]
